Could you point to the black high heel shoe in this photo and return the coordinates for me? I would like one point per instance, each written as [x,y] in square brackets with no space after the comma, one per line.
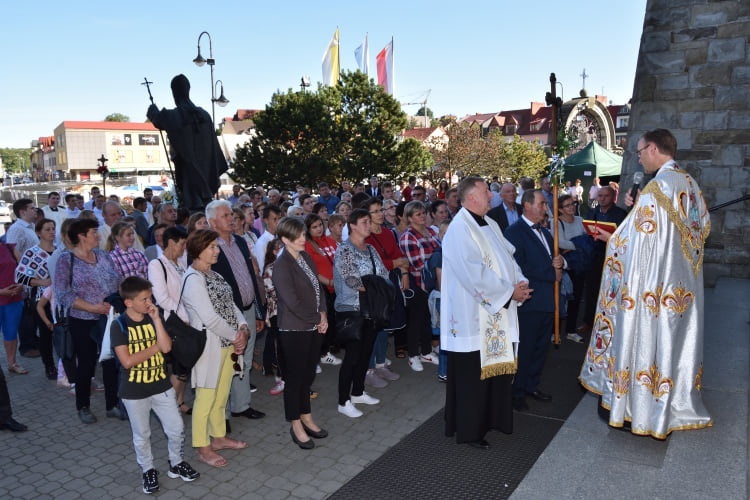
[305,445]
[322,433]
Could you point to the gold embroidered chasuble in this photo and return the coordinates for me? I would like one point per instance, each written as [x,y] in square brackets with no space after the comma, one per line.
[645,357]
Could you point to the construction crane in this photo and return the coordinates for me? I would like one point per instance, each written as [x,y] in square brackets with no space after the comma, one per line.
[424,107]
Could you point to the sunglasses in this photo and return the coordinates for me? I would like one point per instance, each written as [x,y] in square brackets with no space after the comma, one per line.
[236,362]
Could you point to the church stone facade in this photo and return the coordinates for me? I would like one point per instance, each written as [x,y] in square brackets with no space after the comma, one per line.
[693,77]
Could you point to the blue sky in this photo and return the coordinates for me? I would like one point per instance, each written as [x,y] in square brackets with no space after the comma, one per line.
[84,60]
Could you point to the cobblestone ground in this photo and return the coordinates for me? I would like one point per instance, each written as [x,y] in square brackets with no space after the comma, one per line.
[59,457]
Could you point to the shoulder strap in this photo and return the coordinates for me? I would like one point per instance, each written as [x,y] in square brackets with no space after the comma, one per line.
[123,323]
[369,251]
[163,268]
[181,291]
[72,261]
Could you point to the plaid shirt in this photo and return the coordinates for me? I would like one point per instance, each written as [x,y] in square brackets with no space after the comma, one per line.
[418,249]
[129,262]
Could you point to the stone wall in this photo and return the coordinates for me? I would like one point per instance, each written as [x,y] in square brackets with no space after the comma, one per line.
[693,77]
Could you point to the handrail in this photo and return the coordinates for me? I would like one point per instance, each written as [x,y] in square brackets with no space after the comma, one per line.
[738,200]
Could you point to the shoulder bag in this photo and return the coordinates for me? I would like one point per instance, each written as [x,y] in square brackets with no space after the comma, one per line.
[62,339]
[187,342]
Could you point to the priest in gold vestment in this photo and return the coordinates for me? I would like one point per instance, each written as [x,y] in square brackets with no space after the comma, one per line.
[645,358]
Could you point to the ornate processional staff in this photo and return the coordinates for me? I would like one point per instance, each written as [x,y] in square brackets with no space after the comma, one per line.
[555,176]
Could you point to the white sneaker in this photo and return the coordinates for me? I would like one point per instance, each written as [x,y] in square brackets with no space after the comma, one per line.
[62,381]
[330,359]
[436,350]
[575,338]
[365,399]
[430,358]
[96,385]
[374,380]
[415,363]
[388,362]
[318,369]
[277,389]
[350,410]
[385,373]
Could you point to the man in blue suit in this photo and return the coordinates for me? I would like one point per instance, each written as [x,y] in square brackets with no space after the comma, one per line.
[534,250]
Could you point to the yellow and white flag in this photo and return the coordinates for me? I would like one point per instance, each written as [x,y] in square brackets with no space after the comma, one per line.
[331,66]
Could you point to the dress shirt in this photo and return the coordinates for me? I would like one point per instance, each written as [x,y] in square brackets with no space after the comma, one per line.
[239,267]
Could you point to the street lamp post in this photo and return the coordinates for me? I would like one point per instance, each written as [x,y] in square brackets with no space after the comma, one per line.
[201,61]
[304,83]
[221,100]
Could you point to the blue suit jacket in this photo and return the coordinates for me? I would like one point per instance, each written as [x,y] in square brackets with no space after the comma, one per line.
[535,263]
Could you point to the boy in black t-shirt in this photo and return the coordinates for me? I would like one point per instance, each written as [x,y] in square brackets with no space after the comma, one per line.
[144,385]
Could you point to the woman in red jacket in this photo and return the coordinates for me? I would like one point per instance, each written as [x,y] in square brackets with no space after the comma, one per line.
[322,249]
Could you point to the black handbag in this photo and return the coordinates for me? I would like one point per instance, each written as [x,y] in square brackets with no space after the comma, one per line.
[376,303]
[349,326]
[62,339]
[188,343]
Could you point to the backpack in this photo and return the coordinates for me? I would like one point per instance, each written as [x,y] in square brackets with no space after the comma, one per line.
[429,276]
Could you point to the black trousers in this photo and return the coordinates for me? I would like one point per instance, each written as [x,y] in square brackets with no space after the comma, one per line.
[329,339]
[474,406]
[45,338]
[593,281]
[5,411]
[272,357]
[356,361]
[301,352]
[579,281]
[85,349]
[536,328]
[418,329]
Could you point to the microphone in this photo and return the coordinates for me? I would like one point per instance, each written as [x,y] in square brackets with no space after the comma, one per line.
[637,179]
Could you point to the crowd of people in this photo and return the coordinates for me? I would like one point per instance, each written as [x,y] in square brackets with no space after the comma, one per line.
[289,284]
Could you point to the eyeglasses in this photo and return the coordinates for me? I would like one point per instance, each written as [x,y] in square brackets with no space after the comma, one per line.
[568,205]
[638,151]
[377,211]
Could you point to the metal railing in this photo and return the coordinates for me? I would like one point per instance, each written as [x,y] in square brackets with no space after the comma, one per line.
[726,204]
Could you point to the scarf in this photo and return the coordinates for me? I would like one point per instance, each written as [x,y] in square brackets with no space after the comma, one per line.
[497,352]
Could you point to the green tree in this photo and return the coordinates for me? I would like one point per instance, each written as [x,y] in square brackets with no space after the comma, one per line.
[515,158]
[116,117]
[420,112]
[413,159]
[463,154]
[293,143]
[348,131]
[15,160]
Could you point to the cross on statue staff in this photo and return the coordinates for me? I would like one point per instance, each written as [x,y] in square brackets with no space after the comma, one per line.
[161,134]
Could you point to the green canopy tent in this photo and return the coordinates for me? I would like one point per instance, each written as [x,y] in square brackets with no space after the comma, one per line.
[592,161]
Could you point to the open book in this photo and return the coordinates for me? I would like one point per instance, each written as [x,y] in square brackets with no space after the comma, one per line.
[591,225]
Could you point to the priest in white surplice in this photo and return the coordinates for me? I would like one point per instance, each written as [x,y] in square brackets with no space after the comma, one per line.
[646,353]
[481,289]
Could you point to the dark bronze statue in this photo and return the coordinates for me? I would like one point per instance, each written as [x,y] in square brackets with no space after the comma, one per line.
[195,150]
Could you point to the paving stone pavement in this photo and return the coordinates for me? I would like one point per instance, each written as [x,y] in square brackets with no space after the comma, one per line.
[59,457]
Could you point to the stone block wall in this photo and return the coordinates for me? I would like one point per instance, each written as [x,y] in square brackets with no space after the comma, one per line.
[693,77]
